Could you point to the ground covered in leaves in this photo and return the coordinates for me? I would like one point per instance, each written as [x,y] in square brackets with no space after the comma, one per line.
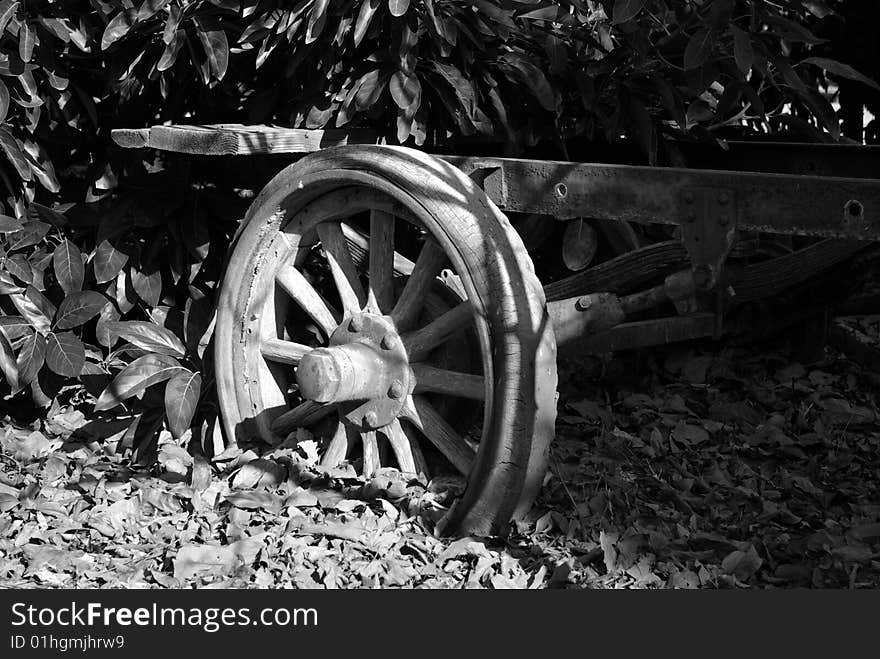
[684,467]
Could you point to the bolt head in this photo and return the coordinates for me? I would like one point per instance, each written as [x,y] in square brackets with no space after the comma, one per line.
[689,197]
[723,198]
[691,216]
[370,419]
[356,324]
[389,341]
[724,219]
[583,303]
[396,390]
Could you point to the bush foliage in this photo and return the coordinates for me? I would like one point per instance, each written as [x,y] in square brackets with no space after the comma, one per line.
[110,261]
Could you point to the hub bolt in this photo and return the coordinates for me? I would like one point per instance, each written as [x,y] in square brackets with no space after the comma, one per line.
[395,391]
[356,324]
[370,419]
[389,341]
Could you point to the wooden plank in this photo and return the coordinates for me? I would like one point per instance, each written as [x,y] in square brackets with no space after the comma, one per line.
[821,206]
[643,334]
[238,139]
[131,138]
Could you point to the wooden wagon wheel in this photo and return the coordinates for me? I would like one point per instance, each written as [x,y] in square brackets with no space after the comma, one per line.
[304,334]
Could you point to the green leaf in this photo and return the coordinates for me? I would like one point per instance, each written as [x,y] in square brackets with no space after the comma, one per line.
[7,361]
[7,11]
[405,90]
[181,399]
[109,314]
[67,262]
[34,306]
[171,24]
[4,101]
[108,261]
[317,20]
[65,354]
[365,15]
[533,78]
[148,336]
[79,308]
[169,55]
[216,46]
[699,49]
[13,151]
[136,377]
[38,212]
[743,52]
[369,88]
[31,357]
[398,7]
[147,285]
[792,31]
[15,326]
[26,38]
[117,28]
[19,267]
[150,8]
[625,10]
[817,8]
[10,224]
[840,69]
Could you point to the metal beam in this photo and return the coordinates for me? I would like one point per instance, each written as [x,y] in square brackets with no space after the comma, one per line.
[775,203]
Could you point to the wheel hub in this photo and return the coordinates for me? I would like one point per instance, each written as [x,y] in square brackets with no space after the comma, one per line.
[364,369]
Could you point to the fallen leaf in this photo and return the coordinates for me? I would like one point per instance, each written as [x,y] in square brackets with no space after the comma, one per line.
[742,564]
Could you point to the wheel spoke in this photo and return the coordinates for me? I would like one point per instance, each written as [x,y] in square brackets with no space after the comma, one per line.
[418,457]
[371,453]
[284,352]
[359,245]
[401,447]
[406,449]
[382,260]
[431,261]
[338,447]
[451,383]
[420,342]
[305,295]
[426,418]
[344,273]
[300,416]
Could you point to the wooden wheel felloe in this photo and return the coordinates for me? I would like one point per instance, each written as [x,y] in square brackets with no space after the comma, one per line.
[334,315]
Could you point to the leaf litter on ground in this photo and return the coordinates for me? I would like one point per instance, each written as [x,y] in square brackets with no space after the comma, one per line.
[693,466]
